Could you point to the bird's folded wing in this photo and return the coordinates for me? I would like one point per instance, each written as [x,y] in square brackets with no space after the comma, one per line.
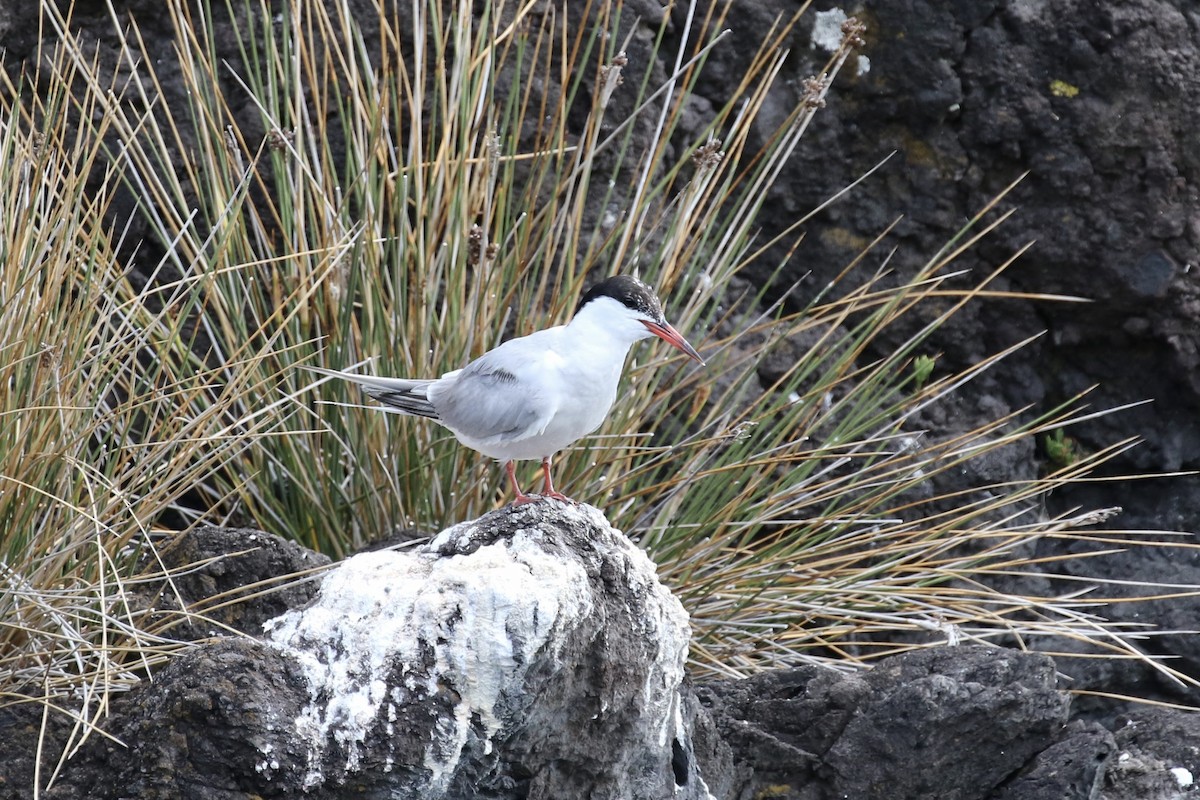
[490,405]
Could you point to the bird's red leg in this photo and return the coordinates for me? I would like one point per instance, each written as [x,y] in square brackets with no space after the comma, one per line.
[522,498]
[548,486]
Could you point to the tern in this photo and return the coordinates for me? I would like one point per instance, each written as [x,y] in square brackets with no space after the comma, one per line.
[533,396]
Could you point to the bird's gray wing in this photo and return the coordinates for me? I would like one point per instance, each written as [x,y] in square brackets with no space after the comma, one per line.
[489,403]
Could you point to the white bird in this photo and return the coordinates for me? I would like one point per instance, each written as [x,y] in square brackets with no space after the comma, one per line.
[532,396]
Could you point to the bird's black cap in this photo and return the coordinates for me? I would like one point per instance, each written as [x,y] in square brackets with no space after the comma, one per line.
[629,292]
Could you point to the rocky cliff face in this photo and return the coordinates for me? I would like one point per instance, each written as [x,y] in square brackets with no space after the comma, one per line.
[1096,105]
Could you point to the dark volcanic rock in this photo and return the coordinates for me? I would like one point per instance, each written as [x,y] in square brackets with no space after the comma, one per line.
[226,580]
[531,653]
[780,724]
[1099,104]
[1072,768]
[213,723]
[21,728]
[945,722]
[703,756]
[1172,736]
[1158,756]
[969,717]
[238,578]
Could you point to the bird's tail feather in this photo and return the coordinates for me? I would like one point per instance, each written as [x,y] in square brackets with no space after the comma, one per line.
[406,395]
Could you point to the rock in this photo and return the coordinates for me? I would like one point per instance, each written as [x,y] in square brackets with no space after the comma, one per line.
[1158,758]
[1138,777]
[533,654]
[21,730]
[530,653]
[1072,768]
[217,722]
[968,716]
[501,635]
[779,724]
[947,722]
[1098,107]
[702,758]
[249,576]
[238,578]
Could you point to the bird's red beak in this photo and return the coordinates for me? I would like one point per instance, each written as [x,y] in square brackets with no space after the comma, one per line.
[672,337]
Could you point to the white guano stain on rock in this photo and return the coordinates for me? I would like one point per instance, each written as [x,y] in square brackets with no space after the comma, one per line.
[457,633]
[383,609]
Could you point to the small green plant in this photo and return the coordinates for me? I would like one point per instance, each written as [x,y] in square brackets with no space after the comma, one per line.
[921,370]
[1061,450]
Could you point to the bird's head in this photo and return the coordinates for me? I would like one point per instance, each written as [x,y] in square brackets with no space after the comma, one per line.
[627,306]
